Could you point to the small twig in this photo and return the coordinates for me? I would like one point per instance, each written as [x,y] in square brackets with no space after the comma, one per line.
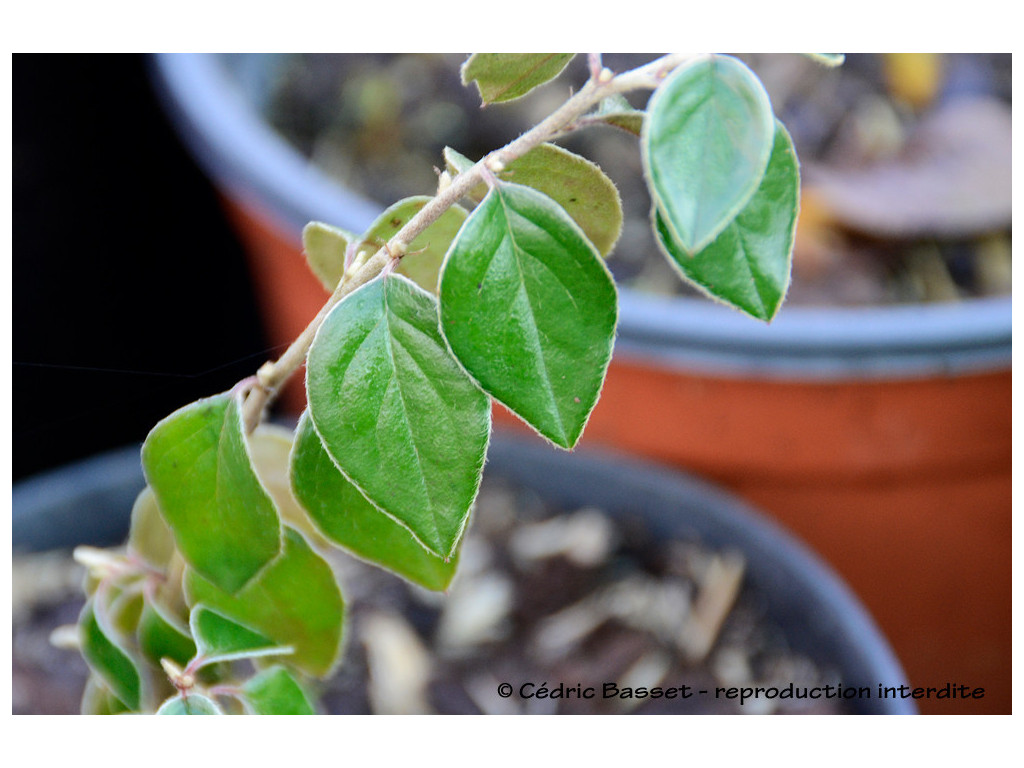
[272,375]
[489,177]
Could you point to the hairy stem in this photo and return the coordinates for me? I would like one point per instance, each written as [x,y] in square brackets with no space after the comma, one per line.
[602,84]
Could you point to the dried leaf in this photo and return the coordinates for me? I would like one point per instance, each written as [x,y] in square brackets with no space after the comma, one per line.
[953,179]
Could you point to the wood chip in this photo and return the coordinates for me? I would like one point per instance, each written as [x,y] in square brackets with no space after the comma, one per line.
[648,672]
[399,666]
[476,612]
[557,635]
[954,178]
[584,537]
[715,599]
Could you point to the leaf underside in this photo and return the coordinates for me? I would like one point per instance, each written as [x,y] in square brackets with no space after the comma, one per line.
[507,76]
[578,185]
[705,146]
[108,659]
[426,252]
[325,246]
[748,265]
[193,704]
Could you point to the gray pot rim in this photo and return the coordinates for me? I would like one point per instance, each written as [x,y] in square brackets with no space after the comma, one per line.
[90,502]
[249,160]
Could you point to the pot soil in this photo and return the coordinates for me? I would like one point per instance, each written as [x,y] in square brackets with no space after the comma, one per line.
[881,435]
[580,574]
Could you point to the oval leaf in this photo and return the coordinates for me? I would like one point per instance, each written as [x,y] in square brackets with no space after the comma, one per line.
[197,462]
[108,659]
[349,520]
[507,76]
[294,601]
[271,448]
[149,537]
[124,610]
[275,691]
[705,146]
[457,163]
[396,413]
[325,247]
[578,185]
[748,265]
[618,112]
[162,637]
[98,700]
[425,254]
[218,638]
[193,704]
[522,259]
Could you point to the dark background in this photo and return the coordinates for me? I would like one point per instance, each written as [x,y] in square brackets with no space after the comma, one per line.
[130,294]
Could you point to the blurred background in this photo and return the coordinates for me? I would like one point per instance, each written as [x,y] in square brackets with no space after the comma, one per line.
[131,293]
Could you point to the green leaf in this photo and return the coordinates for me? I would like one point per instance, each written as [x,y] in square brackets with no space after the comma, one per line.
[618,112]
[275,691]
[748,264]
[295,601]
[529,309]
[349,520]
[425,254]
[193,704]
[149,537]
[271,448]
[325,247]
[218,638]
[162,636]
[396,413]
[124,610]
[507,76]
[705,146]
[107,658]
[457,163]
[579,186]
[98,700]
[197,462]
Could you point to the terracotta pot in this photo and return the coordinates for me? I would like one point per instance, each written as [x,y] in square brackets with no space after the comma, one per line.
[880,436]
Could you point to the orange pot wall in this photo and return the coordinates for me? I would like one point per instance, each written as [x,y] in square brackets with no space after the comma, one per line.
[904,487]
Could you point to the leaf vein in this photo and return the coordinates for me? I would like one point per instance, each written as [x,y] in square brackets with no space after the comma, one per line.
[534,339]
